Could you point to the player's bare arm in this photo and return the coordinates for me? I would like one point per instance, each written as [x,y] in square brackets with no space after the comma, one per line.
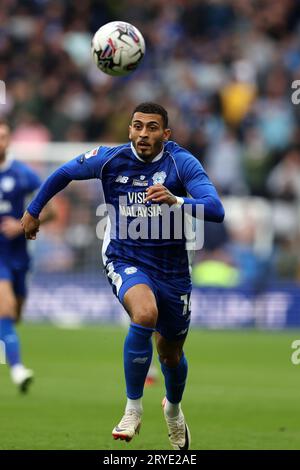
[49,213]
[30,225]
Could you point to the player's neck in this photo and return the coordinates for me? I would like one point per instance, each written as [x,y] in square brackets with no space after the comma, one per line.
[147,160]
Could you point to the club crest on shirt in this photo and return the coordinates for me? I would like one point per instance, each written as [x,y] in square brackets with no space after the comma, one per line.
[159,177]
[7,184]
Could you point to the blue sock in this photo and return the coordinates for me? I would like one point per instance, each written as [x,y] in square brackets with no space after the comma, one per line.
[137,359]
[175,378]
[11,340]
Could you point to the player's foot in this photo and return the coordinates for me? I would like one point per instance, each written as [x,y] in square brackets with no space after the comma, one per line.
[21,377]
[179,433]
[128,426]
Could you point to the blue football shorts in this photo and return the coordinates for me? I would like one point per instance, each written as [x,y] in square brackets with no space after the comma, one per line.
[16,276]
[172,296]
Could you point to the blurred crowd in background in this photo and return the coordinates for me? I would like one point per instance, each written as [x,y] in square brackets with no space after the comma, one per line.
[224,70]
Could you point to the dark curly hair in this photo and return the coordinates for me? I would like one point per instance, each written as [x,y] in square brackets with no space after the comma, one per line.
[153,108]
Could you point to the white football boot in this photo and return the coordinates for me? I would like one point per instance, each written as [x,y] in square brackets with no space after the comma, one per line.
[179,433]
[21,377]
[129,425]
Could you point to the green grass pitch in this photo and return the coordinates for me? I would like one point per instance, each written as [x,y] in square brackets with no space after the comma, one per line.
[242,392]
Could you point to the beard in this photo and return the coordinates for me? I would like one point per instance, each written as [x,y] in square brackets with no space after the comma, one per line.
[148,152]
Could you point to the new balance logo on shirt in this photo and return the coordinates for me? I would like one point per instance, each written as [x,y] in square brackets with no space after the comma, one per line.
[122,179]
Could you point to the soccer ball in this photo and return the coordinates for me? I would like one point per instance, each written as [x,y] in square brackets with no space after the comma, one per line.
[118,48]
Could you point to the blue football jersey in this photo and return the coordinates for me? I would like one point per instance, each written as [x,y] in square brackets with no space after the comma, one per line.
[17,181]
[125,178]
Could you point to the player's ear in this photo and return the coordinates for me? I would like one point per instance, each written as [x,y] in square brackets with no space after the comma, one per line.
[167,134]
[129,132]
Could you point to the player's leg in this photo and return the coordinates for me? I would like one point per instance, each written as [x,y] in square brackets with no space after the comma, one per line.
[174,368]
[24,376]
[10,308]
[171,330]
[134,290]
[8,311]
[153,372]
[139,301]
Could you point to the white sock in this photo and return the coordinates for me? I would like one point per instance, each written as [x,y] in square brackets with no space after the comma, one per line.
[134,405]
[171,409]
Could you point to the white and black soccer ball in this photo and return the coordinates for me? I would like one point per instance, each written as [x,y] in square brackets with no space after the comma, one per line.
[118,48]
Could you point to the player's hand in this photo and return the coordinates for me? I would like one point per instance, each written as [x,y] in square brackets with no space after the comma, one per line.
[10,227]
[159,193]
[30,226]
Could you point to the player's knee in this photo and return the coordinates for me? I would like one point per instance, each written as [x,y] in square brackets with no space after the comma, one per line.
[145,316]
[170,360]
